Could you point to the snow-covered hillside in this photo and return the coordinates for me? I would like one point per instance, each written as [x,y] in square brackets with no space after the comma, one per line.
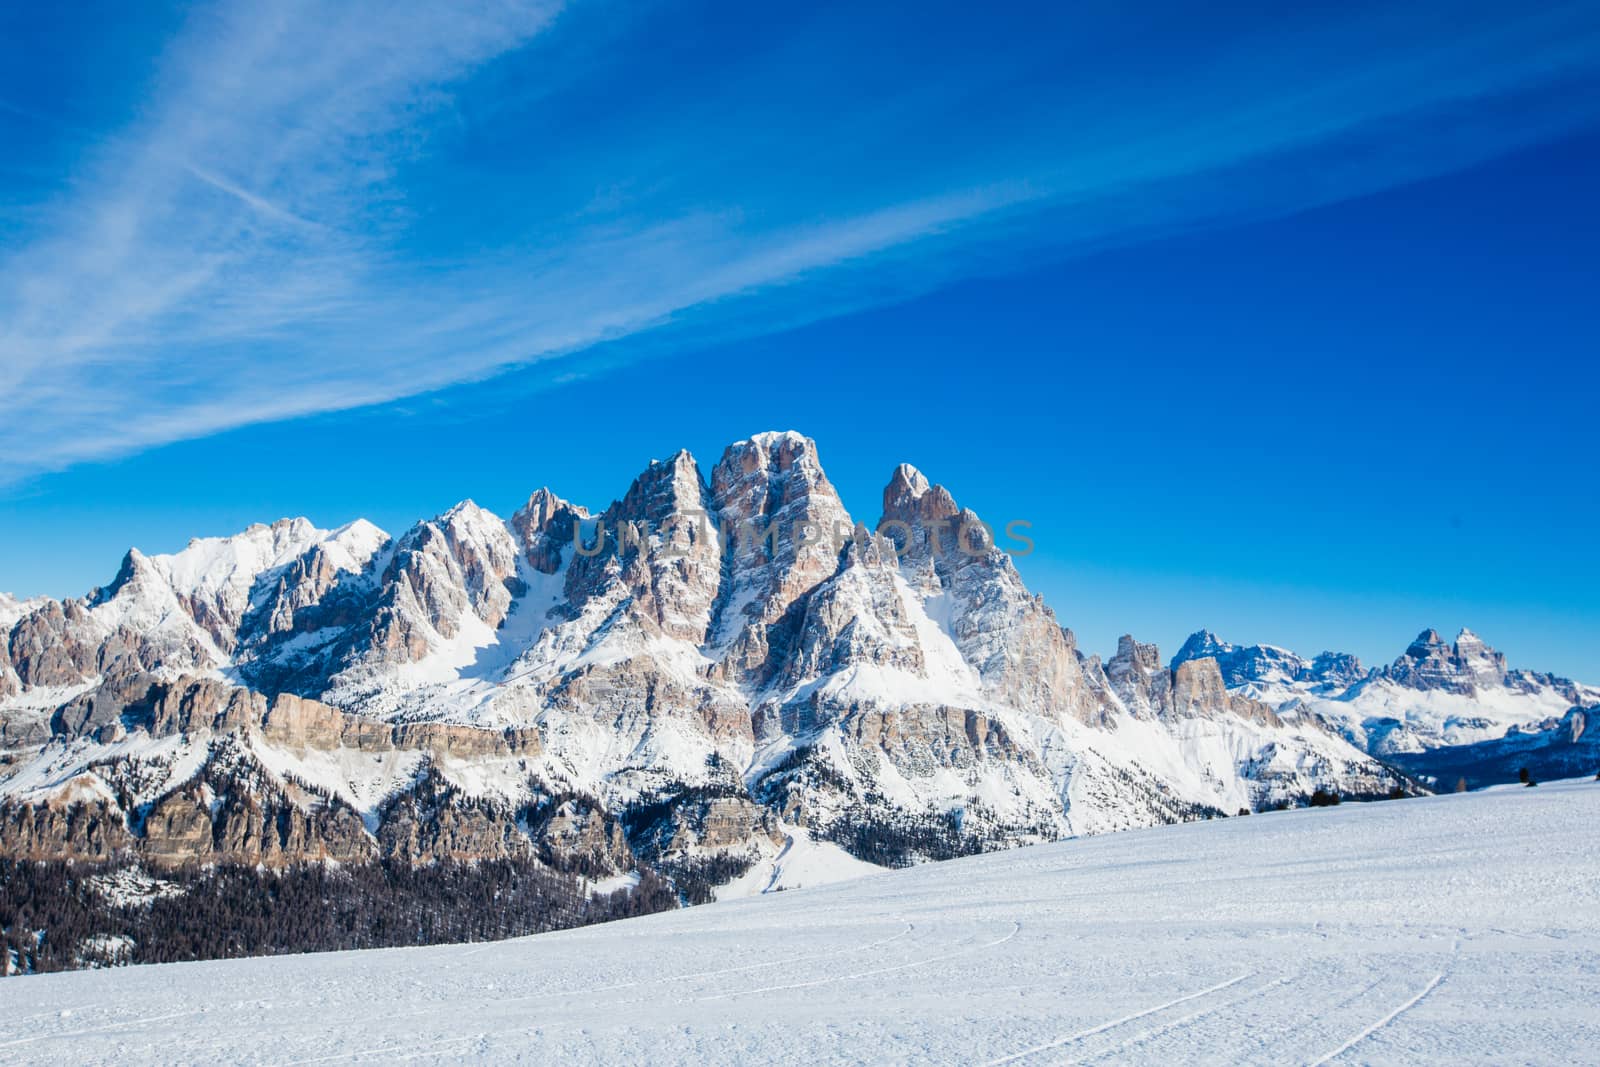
[1448,930]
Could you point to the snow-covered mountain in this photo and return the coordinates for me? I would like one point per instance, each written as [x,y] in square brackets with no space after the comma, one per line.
[716,667]
[1444,710]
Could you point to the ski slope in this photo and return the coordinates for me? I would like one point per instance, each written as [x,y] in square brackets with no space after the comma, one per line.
[1449,929]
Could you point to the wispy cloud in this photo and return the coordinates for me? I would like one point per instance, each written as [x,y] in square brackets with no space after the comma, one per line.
[307,220]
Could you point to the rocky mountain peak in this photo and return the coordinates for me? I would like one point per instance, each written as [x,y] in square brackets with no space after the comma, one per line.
[1199,645]
[1463,667]
[664,551]
[1021,654]
[359,532]
[1473,657]
[905,482]
[460,565]
[134,570]
[1138,678]
[1130,650]
[1243,664]
[909,498]
[542,506]
[468,518]
[783,521]
[545,525]
[1337,669]
[664,489]
[769,471]
[1425,643]
[779,441]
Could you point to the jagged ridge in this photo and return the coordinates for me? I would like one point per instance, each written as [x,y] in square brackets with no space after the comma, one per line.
[729,652]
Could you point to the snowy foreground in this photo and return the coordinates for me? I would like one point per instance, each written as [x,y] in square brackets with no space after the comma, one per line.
[1442,930]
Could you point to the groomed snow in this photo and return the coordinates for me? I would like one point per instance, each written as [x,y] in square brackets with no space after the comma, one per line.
[1448,929]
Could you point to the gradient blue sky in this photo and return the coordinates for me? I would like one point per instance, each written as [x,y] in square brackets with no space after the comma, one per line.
[1276,322]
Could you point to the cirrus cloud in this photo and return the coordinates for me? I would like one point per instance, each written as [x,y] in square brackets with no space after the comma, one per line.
[330,206]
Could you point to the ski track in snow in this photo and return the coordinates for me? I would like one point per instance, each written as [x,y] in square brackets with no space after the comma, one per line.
[1081,1034]
[1444,930]
[107,1028]
[1381,1023]
[1185,1020]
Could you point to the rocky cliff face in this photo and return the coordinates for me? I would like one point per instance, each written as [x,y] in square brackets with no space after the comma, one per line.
[676,679]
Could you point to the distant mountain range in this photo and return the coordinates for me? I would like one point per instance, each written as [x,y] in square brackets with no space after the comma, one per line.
[716,676]
[1445,711]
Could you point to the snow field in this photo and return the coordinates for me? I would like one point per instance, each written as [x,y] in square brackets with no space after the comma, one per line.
[1451,929]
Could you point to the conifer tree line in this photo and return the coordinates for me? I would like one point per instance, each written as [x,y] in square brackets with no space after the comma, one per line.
[57,916]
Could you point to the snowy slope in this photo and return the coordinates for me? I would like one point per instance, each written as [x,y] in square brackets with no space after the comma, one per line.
[800,863]
[1389,718]
[1453,929]
[12,609]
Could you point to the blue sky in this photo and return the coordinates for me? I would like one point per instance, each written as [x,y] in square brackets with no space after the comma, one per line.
[1276,322]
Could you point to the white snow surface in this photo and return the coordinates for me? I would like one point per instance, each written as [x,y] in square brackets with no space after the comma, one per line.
[1425,718]
[225,568]
[1448,930]
[802,861]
